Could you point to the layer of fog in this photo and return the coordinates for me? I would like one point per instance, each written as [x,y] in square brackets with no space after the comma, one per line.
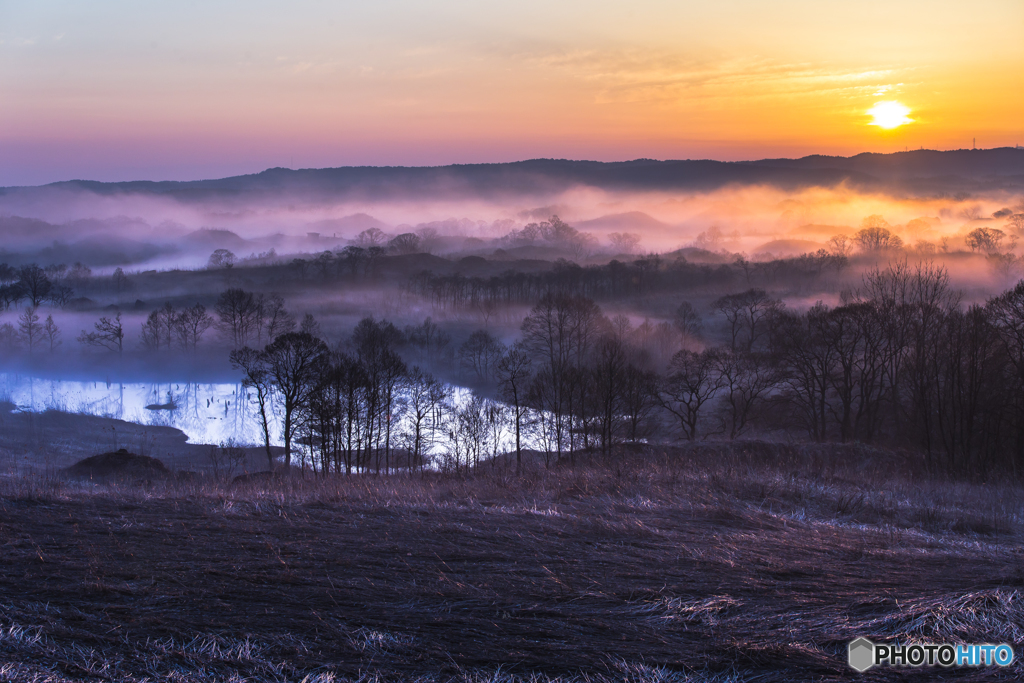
[142,234]
[146,232]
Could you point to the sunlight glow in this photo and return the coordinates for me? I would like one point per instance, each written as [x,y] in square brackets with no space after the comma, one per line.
[889,115]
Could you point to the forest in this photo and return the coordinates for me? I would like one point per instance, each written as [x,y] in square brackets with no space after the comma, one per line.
[554,359]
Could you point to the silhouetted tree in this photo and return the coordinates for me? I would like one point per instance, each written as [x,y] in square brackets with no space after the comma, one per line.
[291,361]
[258,378]
[51,333]
[158,330]
[479,354]
[688,321]
[120,279]
[513,372]
[746,380]
[276,319]
[191,324]
[984,239]
[371,237]
[406,243]
[624,242]
[238,312]
[30,328]
[692,381]
[875,235]
[424,397]
[34,284]
[221,258]
[748,316]
[108,334]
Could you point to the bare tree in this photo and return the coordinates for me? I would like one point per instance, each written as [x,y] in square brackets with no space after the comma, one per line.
[166,316]
[513,373]
[310,326]
[371,237]
[1015,223]
[291,361]
[159,329]
[711,239]
[687,320]
[639,389]
[745,382]
[985,239]
[10,295]
[60,294]
[150,336]
[190,325]
[424,396]
[605,388]
[237,313]
[875,235]
[373,258]
[624,242]
[323,262]
[748,312]
[480,353]
[120,279]
[226,459]
[276,316]
[51,333]
[429,338]
[354,257]
[560,333]
[34,284]
[79,275]
[221,258]
[108,334]
[692,381]
[469,432]
[31,329]
[406,243]
[839,245]
[257,377]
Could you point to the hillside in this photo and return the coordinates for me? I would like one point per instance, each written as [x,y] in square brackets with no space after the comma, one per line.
[921,170]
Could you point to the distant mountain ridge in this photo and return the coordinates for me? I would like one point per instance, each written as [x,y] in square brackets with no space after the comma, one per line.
[913,171]
[1001,161]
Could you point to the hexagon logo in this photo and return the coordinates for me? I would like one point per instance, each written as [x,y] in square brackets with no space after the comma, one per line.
[862,654]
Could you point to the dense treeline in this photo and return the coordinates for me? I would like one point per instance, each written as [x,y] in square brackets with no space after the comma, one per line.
[616,279]
[37,285]
[900,362]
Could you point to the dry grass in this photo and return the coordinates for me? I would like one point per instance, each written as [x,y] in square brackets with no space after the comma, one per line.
[704,564]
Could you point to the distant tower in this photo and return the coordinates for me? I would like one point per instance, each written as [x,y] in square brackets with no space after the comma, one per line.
[974,143]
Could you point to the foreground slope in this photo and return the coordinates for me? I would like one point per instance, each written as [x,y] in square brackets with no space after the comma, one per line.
[664,570]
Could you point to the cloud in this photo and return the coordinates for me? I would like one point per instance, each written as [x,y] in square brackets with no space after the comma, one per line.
[649,76]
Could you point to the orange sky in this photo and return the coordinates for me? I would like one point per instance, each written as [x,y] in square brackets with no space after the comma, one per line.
[122,90]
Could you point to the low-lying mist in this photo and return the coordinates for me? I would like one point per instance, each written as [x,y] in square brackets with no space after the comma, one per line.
[661,206]
[474,248]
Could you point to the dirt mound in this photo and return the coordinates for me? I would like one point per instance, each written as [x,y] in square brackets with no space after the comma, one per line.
[118,465]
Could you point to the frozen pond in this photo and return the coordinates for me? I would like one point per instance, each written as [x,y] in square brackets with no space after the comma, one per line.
[207,413]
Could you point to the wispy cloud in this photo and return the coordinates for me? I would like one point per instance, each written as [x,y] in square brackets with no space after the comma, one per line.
[636,76]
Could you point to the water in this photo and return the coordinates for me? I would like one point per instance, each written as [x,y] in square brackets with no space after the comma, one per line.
[206,412]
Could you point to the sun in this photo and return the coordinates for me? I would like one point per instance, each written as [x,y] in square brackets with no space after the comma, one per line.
[889,115]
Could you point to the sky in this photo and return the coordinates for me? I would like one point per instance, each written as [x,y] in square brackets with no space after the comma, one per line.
[125,90]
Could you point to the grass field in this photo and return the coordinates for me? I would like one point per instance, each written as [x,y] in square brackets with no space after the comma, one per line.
[754,562]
